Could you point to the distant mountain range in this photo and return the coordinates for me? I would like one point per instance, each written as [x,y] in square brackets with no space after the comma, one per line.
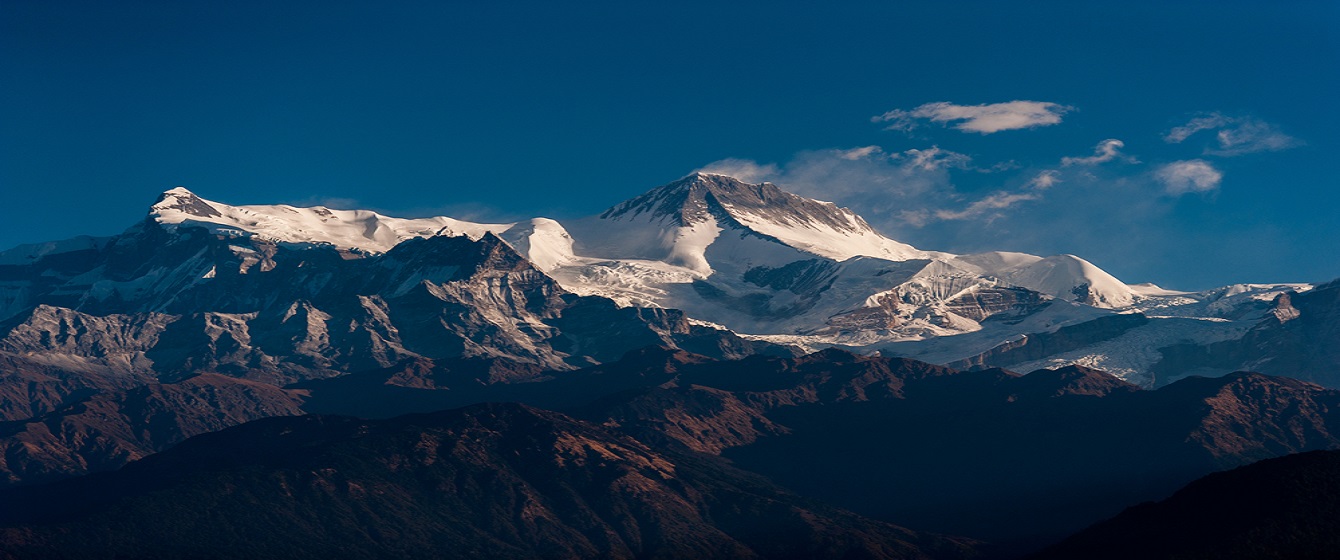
[710,369]
[707,263]
[1018,461]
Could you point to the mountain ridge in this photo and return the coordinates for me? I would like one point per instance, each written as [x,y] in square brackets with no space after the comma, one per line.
[767,265]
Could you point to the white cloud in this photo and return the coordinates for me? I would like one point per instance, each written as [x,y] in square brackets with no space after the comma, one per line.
[983,119]
[1252,136]
[742,169]
[1236,135]
[1195,175]
[1206,122]
[915,218]
[1044,180]
[1105,151]
[999,200]
[898,187]
[858,153]
[934,158]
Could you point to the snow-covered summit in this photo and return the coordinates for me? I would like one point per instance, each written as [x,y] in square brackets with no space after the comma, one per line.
[361,230]
[1066,277]
[761,209]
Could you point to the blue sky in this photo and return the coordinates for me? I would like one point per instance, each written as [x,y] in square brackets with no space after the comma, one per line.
[1224,113]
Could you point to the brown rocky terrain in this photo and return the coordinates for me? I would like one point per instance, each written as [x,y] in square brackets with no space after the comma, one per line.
[111,429]
[502,481]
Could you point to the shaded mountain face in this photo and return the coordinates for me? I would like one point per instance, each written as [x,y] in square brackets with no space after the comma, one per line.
[990,454]
[1287,507]
[490,480]
[32,386]
[1298,337]
[111,429]
[1018,459]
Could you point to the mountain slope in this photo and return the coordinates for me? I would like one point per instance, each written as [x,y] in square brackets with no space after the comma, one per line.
[1278,508]
[990,454]
[109,430]
[490,480]
[759,260]
[1298,337]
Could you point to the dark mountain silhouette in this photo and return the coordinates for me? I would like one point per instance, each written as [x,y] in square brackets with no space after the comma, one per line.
[1284,508]
[992,454]
[989,454]
[485,481]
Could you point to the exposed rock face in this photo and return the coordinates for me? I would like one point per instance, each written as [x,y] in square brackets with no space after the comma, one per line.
[979,305]
[1278,508]
[107,431]
[490,480]
[1299,337]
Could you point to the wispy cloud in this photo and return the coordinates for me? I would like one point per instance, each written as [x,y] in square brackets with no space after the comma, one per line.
[983,119]
[859,153]
[902,184]
[1205,122]
[934,158]
[744,170]
[1105,151]
[1045,179]
[908,189]
[337,203]
[1235,135]
[1189,176]
[999,200]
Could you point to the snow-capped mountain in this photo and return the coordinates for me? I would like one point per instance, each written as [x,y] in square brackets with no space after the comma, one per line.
[300,298]
[353,230]
[688,215]
[749,258]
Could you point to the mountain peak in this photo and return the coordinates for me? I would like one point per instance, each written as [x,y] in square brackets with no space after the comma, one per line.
[818,227]
[693,198]
[182,200]
[719,181]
